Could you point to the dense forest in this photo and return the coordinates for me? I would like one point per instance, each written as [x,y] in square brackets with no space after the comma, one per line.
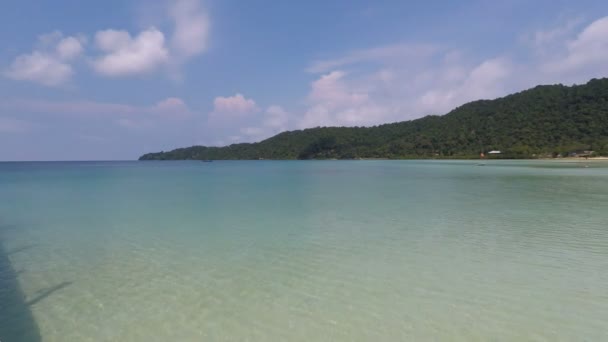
[540,122]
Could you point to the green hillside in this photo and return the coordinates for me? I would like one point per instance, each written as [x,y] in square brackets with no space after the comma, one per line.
[542,121]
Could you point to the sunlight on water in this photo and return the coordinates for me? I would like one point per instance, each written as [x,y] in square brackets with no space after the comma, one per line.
[328,250]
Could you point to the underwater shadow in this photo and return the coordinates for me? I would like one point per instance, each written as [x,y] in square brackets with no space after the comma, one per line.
[16,320]
[42,294]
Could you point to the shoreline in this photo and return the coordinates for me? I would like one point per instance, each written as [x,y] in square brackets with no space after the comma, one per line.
[565,159]
[576,159]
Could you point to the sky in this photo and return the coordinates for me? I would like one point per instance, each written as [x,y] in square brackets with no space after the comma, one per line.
[114,79]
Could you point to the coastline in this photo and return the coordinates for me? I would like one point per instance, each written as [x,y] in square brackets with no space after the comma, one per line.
[577,159]
[565,159]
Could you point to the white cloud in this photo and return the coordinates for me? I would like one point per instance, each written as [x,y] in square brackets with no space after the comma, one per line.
[151,50]
[245,120]
[545,38]
[173,106]
[588,50]
[236,105]
[335,100]
[276,117]
[229,115]
[121,54]
[333,92]
[40,68]
[484,81]
[434,80]
[126,55]
[171,103]
[49,39]
[50,64]
[191,28]
[70,48]
[275,120]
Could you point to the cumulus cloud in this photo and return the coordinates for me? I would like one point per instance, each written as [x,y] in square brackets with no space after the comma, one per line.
[236,105]
[151,49]
[543,39]
[242,119]
[274,120]
[173,106]
[120,53]
[484,81]
[338,98]
[69,48]
[403,93]
[49,64]
[191,28]
[588,50]
[40,68]
[434,79]
[332,91]
[126,55]
[335,100]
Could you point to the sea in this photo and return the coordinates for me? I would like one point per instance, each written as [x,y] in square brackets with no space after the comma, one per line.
[367,250]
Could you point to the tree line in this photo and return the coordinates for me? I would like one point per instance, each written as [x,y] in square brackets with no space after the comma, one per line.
[540,122]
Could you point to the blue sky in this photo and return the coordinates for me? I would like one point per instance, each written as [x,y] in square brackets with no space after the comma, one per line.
[116,79]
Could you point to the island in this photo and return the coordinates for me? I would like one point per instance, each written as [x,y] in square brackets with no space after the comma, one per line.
[548,121]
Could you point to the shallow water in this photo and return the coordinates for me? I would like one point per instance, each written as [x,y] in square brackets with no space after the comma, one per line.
[304,250]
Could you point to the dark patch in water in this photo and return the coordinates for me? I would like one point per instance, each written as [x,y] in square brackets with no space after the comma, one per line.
[16,320]
[42,294]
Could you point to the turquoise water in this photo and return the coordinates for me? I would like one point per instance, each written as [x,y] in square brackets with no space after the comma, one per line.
[302,251]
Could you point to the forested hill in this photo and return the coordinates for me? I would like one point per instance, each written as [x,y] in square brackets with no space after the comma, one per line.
[545,120]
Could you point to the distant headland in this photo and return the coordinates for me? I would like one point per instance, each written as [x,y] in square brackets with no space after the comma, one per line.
[550,121]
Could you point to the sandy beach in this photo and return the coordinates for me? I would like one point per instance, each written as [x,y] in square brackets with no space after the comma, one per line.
[577,159]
